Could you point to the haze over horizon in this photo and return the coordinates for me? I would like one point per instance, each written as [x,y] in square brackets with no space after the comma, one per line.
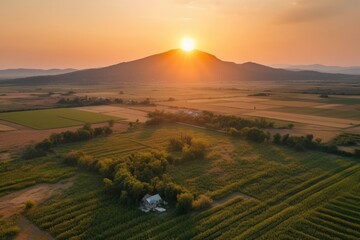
[94,33]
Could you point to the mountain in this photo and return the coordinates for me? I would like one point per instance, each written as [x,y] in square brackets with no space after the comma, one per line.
[25,72]
[354,70]
[177,66]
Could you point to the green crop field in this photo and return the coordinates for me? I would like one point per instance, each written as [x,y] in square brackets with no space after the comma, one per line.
[260,191]
[54,118]
[18,174]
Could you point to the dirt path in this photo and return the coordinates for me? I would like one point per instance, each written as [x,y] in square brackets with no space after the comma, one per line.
[29,231]
[232,196]
[14,202]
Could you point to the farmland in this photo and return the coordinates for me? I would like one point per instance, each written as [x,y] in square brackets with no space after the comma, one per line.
[276,192]
[53,118]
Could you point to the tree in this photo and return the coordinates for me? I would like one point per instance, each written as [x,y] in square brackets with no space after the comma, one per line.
[44,145]
[203,202]
[277,138]
[111,123]
[184,202]
[124,197]
[256,135]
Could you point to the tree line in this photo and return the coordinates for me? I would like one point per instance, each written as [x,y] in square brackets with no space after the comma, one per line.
[253,130]
[84,133]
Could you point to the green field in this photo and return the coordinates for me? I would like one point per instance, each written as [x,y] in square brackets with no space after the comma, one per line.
[54,118]
[20,174]
[312,195]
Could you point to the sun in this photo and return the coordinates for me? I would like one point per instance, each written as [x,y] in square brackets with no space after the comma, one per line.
[187,44]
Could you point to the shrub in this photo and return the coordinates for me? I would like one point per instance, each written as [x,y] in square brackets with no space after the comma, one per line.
[202,203]
[73,157]
[196,150]
[105,166]
[256,135]
[184,202]
[234,132]
[32,152]
[277,138]
[29,204]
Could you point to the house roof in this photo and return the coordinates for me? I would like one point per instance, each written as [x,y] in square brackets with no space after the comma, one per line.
[146,197]
[153,199]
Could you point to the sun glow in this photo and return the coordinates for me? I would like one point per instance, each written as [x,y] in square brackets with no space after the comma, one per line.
[187,44]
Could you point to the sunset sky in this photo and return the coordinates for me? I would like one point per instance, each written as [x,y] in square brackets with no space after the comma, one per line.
[94,33]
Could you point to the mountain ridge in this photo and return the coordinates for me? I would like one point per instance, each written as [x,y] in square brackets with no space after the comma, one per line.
[175,66]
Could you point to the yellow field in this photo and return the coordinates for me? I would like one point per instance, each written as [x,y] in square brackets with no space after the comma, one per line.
[120,112]
[4,128]
[308,119]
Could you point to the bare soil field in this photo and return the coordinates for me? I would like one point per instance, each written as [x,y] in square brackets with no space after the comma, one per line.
[278,103]
[23,135]
[13,203]
[329,106]
[314,120]
[120,112]
[244,105]
[5,128]
[235,98]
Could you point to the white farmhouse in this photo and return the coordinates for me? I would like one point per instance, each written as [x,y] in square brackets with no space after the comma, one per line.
[149,202]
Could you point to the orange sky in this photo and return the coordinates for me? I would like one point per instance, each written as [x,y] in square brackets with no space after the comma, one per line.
[94,33]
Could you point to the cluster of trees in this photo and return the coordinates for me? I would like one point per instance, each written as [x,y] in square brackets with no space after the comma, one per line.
[191,148]
[88,101]
[299,143]
[104,166]
[207,119]
[85,133]
[253,134]
[145,173]
[135,176]
[346,139]
[250,130]
[302,143]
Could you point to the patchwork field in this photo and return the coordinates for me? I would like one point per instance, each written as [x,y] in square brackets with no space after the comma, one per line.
[261,191]
[119,112]
[308,119]
[54,118]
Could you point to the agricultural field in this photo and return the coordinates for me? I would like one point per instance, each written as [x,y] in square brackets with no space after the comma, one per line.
[54,118]
[125,113]
[260,191]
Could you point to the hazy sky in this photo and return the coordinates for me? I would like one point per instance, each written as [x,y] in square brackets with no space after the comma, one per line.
[94,33]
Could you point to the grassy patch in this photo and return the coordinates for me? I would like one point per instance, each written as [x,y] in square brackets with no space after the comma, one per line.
[54,118]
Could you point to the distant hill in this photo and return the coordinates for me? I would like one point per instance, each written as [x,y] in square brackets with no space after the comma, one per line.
[354,70]
[25,72]
[177,66]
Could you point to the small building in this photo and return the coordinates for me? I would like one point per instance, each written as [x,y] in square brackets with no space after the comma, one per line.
[149,202]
